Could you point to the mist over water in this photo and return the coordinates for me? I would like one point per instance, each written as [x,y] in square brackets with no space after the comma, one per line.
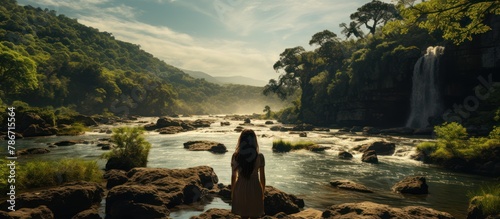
[302,173]
[425,98]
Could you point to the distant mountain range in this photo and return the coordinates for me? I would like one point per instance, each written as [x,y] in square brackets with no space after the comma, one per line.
[226,80]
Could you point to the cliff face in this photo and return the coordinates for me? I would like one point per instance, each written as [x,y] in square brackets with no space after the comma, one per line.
[382,97]
[467,66]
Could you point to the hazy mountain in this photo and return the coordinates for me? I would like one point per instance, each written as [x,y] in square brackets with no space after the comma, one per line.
[226,80]
[241,80]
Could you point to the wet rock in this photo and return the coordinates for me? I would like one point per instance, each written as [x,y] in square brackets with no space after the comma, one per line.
[37,130]
[269,122]
[345,155]
[211,146]
[199,123]
[355,129]
[375,211]
[275,128]
[115,177]
[344,129]
[92,213]
[150,127]
[380,147]
[247,120]
[225,123]
[303,127]
[216,213]
[166,122]
[171,130]
[135,201]
[175,186]
[369,157]
[303,134]
[321,129]
[412,185]
[397,131]
[276,201]
[66,143]
[371,130]
[349,185]
[317,148]
[29,119]
[239,129]
[40,212]
[64,201]
[32,151]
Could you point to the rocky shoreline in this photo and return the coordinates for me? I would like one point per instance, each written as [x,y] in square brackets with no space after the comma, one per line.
[156,192]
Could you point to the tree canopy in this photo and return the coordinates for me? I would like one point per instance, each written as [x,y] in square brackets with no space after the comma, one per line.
[458,20]
[374,14]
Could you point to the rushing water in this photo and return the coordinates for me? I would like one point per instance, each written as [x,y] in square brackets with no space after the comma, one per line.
[425,97]
[303,173]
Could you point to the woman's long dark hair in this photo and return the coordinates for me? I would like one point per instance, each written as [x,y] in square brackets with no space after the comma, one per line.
[246,152]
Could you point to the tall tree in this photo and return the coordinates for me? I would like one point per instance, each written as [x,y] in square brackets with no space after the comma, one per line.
[17,72]
[373,14]
[352,29]
[458,20]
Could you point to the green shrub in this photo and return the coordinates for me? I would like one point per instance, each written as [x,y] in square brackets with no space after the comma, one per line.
[282,146]
[487,199]
[74,129]
[131,149]
[286,146]
[36,174]
[452,142]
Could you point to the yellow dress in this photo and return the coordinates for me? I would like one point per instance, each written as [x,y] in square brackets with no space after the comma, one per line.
[247,194]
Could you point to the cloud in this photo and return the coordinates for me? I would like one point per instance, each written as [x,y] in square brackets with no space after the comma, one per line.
[214,56]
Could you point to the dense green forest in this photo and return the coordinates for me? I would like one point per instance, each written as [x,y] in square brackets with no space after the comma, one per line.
[50,60]
[366,78]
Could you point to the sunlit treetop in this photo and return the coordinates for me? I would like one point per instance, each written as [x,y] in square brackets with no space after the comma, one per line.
[458,20]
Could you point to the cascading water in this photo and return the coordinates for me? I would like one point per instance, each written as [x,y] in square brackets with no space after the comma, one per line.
[425,98]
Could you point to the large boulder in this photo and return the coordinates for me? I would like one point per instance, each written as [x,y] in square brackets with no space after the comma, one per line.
[67,142]
[380,147]
[211,146]
[369,157]
[166,122]
[476,212]
[150,192]
[412,185]
[349,185]
[32,151]
[375,211]
[276,201]
[30,118]
[199,123]
[345,155]
[37,130]
[92,213]
[171,130]
[135,201]
[115,177]
[64,201]
[40,212]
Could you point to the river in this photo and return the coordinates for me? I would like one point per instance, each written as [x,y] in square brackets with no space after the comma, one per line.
[302,173]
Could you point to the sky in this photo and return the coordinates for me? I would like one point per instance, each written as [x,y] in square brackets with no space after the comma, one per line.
[218,37]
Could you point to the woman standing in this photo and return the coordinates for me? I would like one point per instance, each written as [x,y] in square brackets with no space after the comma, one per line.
[248,179]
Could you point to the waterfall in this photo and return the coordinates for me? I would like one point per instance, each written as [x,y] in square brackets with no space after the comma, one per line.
[425,98]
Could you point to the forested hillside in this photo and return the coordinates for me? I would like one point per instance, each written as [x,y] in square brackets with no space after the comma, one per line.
[48,59]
